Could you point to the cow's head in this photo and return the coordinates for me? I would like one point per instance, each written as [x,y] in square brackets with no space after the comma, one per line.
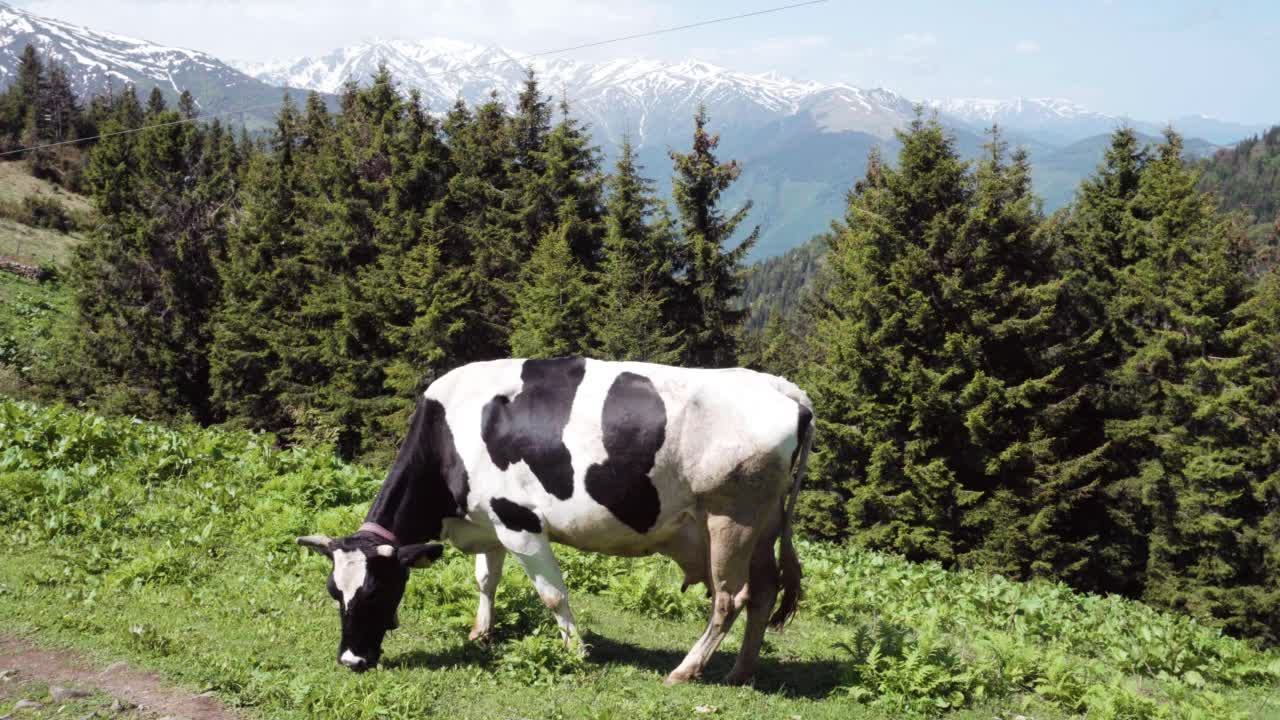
[367,581]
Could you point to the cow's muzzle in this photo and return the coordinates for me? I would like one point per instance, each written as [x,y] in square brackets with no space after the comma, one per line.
[355,662]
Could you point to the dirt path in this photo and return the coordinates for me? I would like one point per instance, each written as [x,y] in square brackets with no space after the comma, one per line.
[152,696]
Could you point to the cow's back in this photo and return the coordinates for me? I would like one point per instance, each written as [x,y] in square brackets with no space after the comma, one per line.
[644,440]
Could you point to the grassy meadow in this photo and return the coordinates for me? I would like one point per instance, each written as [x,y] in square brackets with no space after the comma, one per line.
[174,549]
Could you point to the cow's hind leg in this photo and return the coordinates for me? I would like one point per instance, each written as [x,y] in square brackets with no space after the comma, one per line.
[731,543]
[488,574]
[533,552]
[762,593]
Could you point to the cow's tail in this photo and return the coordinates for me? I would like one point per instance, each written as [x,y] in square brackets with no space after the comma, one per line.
[788,561]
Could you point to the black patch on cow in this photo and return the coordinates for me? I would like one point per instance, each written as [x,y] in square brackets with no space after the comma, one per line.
[802,430]
[531,427]
[428,481]
[634,424]
[515,517]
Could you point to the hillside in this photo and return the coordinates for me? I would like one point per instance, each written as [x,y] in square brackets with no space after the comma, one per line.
[1057,172]
[1247,177]
[777,285]
[35,240]
[174,550]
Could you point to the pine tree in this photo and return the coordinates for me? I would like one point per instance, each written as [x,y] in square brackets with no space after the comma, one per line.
[317,124]
[380,307]
[418,295]
[574,184]
[1188,435]
[262,282]
[328,365]
[1252,608]
[156,103]
[31,87]
[552,302]
[712,273]
[1001,278]
[635,285]
[146,284]
[187,106]
[18,109]
[474,228]
[1087,532]
[1165,428]
[60,106]
[127,110]
[529,127]
[926,340]
[30,79]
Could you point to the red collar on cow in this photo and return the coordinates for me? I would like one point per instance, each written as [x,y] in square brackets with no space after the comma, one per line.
[380,531]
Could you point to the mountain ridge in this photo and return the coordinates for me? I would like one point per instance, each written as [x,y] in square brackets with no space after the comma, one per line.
[801,143]
[97,61]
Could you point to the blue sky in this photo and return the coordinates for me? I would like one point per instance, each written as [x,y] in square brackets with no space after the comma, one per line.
[1150,60]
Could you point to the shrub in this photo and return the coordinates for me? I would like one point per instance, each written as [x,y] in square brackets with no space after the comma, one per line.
[539,658]
[651,589]
[47,212]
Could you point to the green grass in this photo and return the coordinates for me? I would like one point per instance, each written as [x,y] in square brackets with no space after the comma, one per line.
[16,183]
[34,245]
[31,316]
[173,549]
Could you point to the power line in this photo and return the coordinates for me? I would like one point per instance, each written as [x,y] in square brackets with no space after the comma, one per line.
[544,53]
[636,36]
[100,136]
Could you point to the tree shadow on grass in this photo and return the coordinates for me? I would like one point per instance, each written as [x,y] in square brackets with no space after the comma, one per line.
[808,678]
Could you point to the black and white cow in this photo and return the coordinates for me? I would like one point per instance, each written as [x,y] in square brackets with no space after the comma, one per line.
[621,458]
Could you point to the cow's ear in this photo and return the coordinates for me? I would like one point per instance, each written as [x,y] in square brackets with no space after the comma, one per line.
[420,555]
[317,543]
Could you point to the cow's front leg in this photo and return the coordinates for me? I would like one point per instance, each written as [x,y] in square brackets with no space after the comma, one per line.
[488,575]
[533,552]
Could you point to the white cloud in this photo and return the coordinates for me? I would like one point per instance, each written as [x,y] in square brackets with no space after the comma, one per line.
[777,53]
[1026,47]
[918,40]
[913,51]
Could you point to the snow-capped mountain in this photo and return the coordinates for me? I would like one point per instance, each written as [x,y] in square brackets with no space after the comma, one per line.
[987,111]
[1061,121]
[653,101]
[801,144]
[98,60]
[1052,120]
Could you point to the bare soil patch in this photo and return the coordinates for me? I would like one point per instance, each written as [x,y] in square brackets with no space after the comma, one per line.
[21,662]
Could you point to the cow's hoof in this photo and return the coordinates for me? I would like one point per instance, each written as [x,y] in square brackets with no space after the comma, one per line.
[677,677]
[479,635]
[737,677]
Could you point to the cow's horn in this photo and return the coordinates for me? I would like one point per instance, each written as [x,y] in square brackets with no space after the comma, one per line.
[318,543]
